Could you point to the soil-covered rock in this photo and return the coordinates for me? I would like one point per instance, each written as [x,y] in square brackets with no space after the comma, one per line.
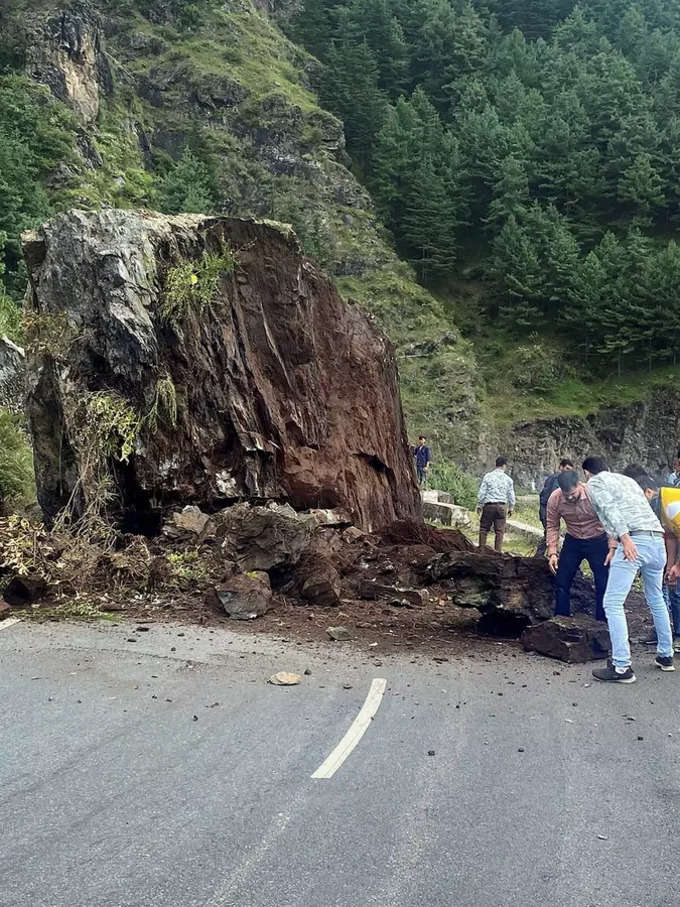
[511,593]
[571,639]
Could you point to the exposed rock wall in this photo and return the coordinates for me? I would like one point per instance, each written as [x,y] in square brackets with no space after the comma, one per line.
[283,390]
[647,432]
[64,52]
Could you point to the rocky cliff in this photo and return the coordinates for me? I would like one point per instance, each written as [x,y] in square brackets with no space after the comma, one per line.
[646,432]
[175,360]
[150,81]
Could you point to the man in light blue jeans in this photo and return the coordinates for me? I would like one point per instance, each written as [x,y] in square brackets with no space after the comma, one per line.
[636,543]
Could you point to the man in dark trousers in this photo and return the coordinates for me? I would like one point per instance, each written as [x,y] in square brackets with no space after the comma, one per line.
[586,539]
[495,502]
[549,486]
[422,454]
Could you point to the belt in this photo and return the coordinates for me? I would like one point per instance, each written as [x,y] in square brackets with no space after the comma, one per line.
[650,532]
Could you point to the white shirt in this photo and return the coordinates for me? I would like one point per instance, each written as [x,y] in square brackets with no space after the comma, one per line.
[497,488]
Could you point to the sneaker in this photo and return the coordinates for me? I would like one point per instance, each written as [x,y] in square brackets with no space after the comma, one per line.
[665,662]
[611,675]
[650,640]
[676,644]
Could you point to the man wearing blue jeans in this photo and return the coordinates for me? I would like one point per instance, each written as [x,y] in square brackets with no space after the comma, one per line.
[585,540]
[671,593]
[636,543]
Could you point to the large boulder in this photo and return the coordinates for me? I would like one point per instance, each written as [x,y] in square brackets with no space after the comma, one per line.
[261,538]
[244,596]
[244,374]
[571,639]
[511,593]
[446,514]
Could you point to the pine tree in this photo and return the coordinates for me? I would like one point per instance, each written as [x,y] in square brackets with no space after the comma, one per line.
[372,21]
[449,48]
[350,89]
[641,186]
[397,151]
[619,329]
[188,187]
[511,193]
[516,270]
[579,317]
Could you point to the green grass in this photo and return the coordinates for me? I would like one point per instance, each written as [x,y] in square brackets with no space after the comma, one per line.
[514,543]
[243,46]
[574,397]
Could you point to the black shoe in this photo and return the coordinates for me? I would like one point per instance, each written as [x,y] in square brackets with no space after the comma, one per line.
[650,640]
[611,675]
[665,662]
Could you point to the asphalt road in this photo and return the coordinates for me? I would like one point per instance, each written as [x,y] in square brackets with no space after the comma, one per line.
[539,792]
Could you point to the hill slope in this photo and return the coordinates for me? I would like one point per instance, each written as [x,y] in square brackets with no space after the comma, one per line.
[206,106]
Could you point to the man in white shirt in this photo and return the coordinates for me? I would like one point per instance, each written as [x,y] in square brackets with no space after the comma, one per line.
[495,502]
[636,544]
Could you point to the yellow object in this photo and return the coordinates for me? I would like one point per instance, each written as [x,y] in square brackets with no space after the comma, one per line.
[194,280]
[669,500]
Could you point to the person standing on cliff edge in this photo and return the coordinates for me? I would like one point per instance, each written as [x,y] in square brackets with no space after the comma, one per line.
[495,502]
[422,454]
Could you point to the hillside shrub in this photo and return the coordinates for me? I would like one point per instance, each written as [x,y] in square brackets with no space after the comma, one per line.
[451,478]
[17,481]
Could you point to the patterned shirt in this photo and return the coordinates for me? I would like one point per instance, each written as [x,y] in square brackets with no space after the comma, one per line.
[621,505]
[496,488]
[579,516]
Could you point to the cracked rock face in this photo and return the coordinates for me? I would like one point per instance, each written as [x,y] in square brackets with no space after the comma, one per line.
[283,390]
[65,54]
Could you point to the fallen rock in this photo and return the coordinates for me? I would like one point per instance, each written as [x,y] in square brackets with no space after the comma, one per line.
[244,596]
[432,496]
[318,581]
[23,591]
[189,521]
[284,679]
[571,639]
[243,383]
[437,513]
[337,517]
[353,534]
[339,634]
[511,593]
[259,538]
[446,514]
[396,595]
[412,532]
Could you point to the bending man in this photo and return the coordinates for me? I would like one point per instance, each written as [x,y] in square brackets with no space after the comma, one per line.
[629,520]
[585,540]
[549,486]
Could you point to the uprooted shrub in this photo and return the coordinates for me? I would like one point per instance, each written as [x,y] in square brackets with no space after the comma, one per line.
[70,562]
